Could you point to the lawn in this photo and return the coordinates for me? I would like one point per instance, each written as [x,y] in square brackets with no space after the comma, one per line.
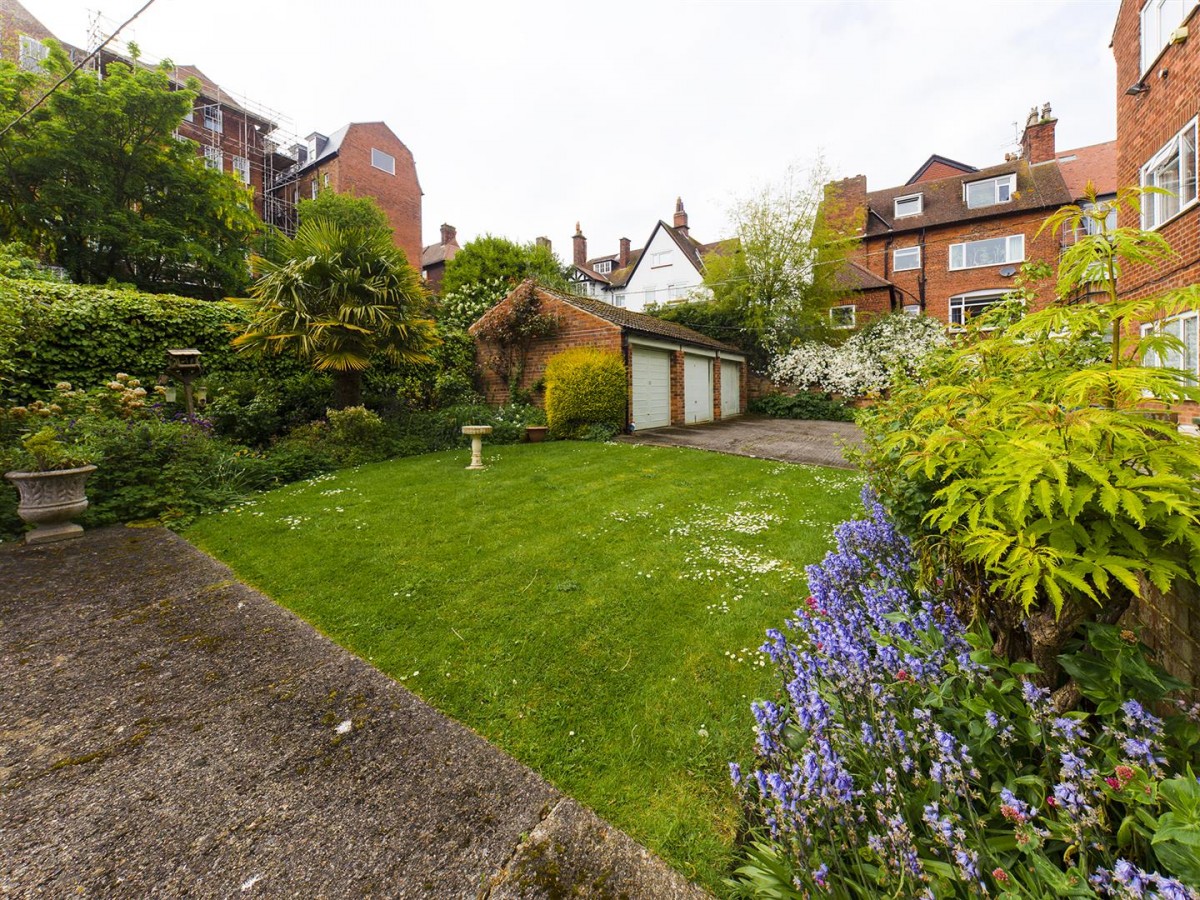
[593,609]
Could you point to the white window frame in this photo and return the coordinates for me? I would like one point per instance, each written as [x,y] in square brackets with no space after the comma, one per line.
[1173,360]
[214,158]
[604,267]
[315,188]
[960,302]
[241,168]
[649,295]
[1156,208]
[1003,187]
[32,53]
[1014,252]
[214,119]
[660,259]
[897,214]
[676,293]
[914,251]
[1156,24]
[378,157]
[846,307]
[190,115]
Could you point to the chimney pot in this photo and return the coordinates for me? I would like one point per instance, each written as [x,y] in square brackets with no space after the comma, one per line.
[681,219]
[1037,141]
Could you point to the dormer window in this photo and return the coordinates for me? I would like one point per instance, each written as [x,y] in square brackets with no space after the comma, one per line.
[604,267]
[912,205]
[990,191]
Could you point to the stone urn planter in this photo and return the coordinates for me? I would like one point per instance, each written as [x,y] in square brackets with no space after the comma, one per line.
[535,434]
[50,500]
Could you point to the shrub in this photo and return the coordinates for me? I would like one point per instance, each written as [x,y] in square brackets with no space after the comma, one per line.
[348,437]
[255,411]
[585,386]
[802,405]
[52,332]
[868,362]
[902,758]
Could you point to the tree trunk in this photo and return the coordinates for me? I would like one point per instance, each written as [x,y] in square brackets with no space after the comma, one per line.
[347,389]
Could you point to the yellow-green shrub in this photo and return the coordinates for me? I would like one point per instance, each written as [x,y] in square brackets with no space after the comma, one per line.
[585,387]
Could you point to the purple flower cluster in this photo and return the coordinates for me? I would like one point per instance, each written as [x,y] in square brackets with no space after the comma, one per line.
[891,759]
[1126,880]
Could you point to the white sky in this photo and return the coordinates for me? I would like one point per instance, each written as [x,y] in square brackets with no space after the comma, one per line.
[526,116]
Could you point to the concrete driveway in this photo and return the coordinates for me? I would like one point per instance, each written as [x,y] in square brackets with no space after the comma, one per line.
[787,440]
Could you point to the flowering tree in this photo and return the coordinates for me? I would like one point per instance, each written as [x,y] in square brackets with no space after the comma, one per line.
[511,330]
[865,364]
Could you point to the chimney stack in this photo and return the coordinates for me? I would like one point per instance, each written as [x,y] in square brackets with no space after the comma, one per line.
[681,224]
[580,247]
[623,257]
[449,234]
[1037,142]
[545,242]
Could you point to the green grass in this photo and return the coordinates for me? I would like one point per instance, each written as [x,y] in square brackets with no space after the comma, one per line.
[593,609]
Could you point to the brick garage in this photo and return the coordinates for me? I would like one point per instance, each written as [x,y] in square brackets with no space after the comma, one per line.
[583,322]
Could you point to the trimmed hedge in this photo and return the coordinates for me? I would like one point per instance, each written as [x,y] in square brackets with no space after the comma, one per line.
[585,387]
[52,332]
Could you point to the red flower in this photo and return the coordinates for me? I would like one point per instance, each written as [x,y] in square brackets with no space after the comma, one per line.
[1125,773]
[902,675]
[1113,783]
[1000,875]
[1051,802]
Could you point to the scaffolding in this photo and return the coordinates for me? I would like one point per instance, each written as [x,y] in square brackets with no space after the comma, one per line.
[261,136]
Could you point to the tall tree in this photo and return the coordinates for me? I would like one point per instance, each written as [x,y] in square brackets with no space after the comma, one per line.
[346,210]
[340,299]
[487,258]
[95,181]
[782,278]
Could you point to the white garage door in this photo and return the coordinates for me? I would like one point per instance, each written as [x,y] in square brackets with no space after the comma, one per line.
[651,388]
[697,388]
[731,389]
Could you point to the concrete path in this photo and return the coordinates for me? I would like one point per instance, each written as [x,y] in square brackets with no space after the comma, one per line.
[167,731]
[787,440]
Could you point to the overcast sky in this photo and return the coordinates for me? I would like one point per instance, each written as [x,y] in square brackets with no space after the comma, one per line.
[524,116]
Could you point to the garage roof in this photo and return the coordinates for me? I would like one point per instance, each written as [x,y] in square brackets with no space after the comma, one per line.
[639,322]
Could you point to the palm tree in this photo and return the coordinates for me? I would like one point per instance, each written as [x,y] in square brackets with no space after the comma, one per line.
[339,298]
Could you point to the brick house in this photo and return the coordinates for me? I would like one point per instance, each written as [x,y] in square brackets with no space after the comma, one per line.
[435,256]
[675,375]
[667,269]
[1157,53]
[948,242]
[245,140]
[368,160]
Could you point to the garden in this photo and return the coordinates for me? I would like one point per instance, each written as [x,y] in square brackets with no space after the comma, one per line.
[954,696]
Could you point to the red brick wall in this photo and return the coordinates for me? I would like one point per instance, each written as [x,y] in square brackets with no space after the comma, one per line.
[1144,124]
[941,283]
[937,170]
[575,329]
[398,195]
[678,407]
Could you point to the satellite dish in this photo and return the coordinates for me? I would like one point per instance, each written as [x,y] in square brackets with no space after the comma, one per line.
[1008,271]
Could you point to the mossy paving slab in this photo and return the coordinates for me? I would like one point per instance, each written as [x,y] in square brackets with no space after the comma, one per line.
[167,731]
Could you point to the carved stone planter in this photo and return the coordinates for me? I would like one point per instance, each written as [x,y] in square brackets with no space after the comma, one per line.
[50,500]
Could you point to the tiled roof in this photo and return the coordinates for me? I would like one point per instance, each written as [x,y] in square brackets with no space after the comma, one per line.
[1096,163]
[853,277]
[593,274]
[1038,187]
[628,320]
[938,162]
[438,253]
